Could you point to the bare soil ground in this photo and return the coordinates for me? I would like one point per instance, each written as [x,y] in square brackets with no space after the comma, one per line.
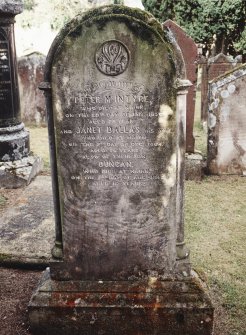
[16,287]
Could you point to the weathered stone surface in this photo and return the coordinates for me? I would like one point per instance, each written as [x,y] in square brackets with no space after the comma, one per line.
[122,308]
[14,143]
[27,225]
[194,166]
[117,130]
[189,50]
[32,104]
[19,173]
[13,7]
[116,112]
[211,69]
[227,123]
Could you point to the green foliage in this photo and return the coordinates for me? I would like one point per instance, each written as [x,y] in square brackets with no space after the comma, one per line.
[218,22]
[162,10]
[2,200]
[65,10]
[29,4]
[54,12]
[240,45]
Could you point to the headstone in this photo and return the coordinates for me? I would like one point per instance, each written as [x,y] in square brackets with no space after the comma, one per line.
[211,69]
[227,123]
[16,169]
[31,72]
[189,50]
[116,111]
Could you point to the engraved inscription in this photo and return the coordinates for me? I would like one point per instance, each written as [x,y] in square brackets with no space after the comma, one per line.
[111,133]
[112,58]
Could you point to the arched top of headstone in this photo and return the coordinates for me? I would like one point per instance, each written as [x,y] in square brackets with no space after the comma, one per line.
[229,76]
[179,58]
[186,43]
[137,19]
[220,58]
[13,7]
[178,30]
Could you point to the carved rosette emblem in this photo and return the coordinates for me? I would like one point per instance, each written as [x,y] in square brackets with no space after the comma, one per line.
[112,58]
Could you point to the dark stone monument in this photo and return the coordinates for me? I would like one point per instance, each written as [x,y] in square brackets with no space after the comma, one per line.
[116,112]
[16,167]
[31,73]
[189,50]
[14,138]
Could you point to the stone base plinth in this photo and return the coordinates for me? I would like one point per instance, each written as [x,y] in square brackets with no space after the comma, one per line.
[14,143]
[168,307]
[194,166]
[19,173]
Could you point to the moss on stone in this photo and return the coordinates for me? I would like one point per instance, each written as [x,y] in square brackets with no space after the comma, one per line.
[2,200]
[4,257]
[140,22]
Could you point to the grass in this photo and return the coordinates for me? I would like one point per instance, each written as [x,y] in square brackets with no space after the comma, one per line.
[199,133]
[215,214]
[39,144]
[2,200]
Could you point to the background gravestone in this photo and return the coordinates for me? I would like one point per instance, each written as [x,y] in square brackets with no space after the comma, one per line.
[116,108]
[31,72]
[190,54]
[211,69]
[227,123]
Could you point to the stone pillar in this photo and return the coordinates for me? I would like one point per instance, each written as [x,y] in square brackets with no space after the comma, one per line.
[16,167]
[182,91]
[189,51]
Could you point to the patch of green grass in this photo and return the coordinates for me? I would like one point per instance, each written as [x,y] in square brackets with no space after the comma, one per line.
[199,132]
[2,200]
[39,144]
[216,233]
